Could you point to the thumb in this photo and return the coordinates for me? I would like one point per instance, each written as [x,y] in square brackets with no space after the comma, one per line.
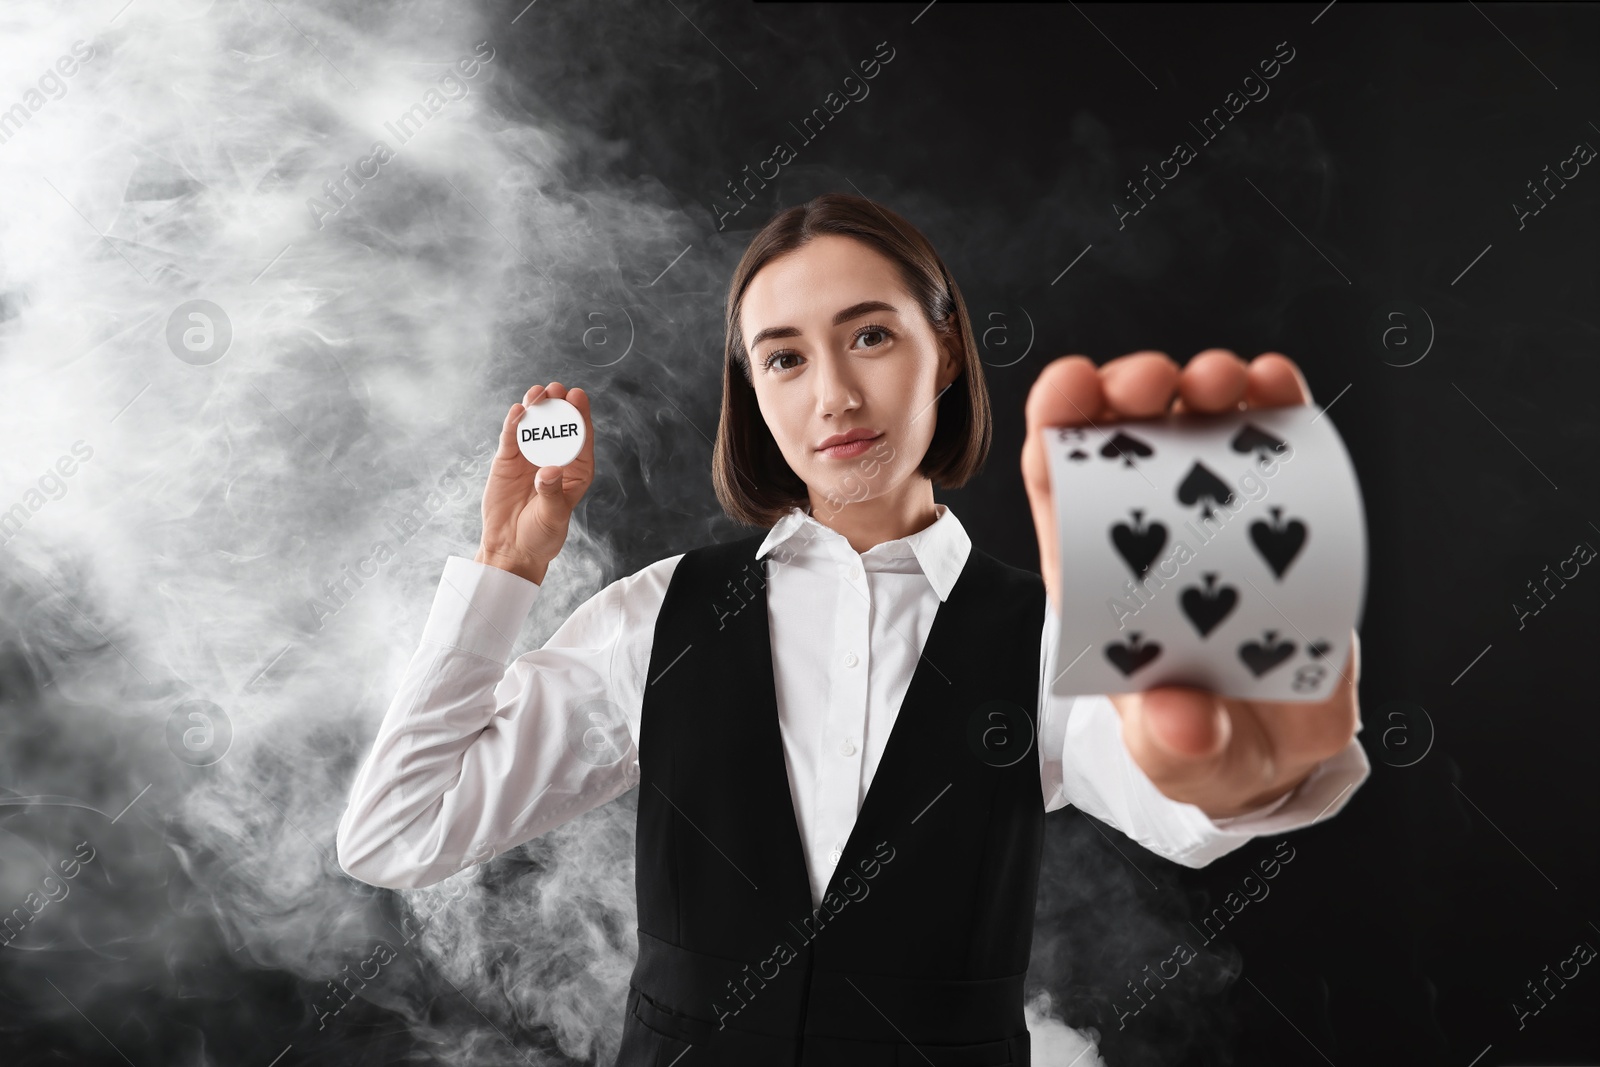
[547,482]
[1174,733]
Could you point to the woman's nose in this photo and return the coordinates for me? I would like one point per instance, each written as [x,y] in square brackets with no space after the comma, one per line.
[836,390]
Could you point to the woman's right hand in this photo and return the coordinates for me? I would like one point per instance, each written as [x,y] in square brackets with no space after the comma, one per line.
[526,508]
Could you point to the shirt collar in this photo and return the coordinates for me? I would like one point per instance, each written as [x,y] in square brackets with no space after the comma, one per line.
[940,549]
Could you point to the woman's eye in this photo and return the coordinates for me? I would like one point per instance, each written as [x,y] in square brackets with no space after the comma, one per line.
[882,331]
[768,363]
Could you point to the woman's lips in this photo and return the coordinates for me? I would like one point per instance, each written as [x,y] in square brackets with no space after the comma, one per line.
[846,451]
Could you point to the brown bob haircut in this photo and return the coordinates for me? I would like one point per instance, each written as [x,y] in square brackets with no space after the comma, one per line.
[754,483]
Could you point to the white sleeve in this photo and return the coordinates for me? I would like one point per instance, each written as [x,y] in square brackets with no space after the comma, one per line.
[474,757]
[1085,762]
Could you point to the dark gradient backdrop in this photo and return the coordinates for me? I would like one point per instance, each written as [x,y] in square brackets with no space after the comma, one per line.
[185,507]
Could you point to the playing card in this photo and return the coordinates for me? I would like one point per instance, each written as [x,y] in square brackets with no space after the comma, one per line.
[1225,552]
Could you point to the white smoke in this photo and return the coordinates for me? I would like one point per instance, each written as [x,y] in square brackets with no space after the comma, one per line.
[231,377]
[1055,1044]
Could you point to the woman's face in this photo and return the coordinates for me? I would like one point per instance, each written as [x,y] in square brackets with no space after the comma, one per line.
[838,346]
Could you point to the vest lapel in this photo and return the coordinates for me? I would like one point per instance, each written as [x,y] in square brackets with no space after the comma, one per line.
[752,635]
[917,737]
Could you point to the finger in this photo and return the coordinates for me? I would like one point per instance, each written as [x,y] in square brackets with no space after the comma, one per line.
[557,390]
[533,396]
[1213,381]
[1275,381]
[508,433]
[580,400]
[1066,393]
[1139,385]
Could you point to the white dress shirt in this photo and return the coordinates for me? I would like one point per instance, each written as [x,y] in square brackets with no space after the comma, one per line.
[478,752]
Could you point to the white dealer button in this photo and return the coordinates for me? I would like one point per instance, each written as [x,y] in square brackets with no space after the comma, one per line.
[550,433]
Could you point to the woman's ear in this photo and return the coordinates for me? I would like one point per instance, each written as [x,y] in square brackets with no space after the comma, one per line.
[950,367]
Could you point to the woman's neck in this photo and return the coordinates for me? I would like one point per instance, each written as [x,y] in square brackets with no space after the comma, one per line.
[864,523]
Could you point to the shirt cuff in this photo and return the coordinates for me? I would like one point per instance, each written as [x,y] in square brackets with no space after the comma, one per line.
[479,608]
[1319,797]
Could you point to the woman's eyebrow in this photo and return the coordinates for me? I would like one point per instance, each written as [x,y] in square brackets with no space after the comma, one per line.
[853,311]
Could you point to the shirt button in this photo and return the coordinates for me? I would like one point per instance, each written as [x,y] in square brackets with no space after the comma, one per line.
[833,857]
[850,659]
[855,570]
[848,748]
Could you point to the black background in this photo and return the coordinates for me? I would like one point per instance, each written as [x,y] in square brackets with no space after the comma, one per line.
[1395,143]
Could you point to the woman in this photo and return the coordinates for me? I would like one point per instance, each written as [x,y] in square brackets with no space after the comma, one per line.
[831,721]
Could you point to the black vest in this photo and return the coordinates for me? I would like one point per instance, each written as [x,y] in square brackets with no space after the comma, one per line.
[918,952]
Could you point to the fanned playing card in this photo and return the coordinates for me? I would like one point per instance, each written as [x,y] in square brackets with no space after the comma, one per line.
[1225,552]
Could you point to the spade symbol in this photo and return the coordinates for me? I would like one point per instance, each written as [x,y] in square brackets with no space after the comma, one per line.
[1253,439]
[1077,454]
[1139,544]
[1201,484]
[1133,655]
[1318,649]
[1209,606]
[1262,657]
[1278,543]
[1128,447]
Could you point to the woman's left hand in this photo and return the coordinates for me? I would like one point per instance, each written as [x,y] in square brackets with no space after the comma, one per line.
[1224,755]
